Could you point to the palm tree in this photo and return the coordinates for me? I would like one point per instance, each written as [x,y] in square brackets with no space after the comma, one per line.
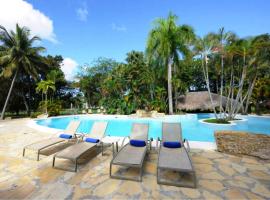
[18,55]
[168,41]
[44,87]
[204,48]
[222,38]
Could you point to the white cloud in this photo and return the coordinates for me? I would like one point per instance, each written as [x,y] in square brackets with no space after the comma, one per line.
[69,68]
[82,12]
[23,13]
[120,28]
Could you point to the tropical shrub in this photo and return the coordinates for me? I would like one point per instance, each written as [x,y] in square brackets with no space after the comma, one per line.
[35,114]
[54,108]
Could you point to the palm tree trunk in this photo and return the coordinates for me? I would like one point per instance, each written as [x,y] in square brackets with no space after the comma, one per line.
[46,103]
[206,77]
[9,93]
[170,86]
[250,89]
[26,104]
[221,86]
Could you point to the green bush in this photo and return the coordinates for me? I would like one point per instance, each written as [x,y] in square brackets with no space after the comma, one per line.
[217,121]
[54,108]
[35,114]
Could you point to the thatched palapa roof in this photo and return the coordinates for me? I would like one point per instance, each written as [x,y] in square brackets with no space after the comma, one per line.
[199,101]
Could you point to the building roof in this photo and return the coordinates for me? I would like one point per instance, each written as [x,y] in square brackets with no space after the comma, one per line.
[199,101]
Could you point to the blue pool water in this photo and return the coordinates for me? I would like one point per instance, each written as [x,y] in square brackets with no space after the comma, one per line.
[193,129]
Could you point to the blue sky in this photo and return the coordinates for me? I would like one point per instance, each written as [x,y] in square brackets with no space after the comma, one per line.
[84,30]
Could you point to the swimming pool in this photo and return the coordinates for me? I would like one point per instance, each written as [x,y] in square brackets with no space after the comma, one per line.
[193,129]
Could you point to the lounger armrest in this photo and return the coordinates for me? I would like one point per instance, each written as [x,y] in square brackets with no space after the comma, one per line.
[127,137]
[58,133]
[158,143]
[150,143]
[188,147]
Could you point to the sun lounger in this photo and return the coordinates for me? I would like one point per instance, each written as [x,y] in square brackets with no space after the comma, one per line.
[75,151]
[69,133]
[173,157]
[133,155]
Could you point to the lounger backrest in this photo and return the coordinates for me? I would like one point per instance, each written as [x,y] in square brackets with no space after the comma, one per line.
[72,127]
[139,131]
[98,130]
[171,132]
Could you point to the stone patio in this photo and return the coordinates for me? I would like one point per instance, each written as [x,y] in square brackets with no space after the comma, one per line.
[219,176]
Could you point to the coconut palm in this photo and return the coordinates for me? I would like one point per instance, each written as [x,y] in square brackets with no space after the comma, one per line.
[204,48]
[44,87]
[168,41]
[222,38]
[18,55]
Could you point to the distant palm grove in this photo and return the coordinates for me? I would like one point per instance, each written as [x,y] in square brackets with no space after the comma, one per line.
[175,61]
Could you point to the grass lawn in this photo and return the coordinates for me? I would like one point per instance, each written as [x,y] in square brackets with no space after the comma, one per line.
[217,121]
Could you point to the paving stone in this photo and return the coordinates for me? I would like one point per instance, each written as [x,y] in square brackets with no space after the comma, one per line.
[107,188]
[250,160]
[210,196]
[239,168]
[234,159]
[202,160]
[191,193]
[234,194]
[203,168]
[21,192]
[159,195]
[245,179]
[212,155]
[80,193]
[256,167]
[227,170]
[130,188]
[252,196]
[213,175]
[196,150]
[150,182]
[54,191]
[97,180]
[48,174]
[261,190]
[151,168]
[238,183]
[212,185]
[223,161]
[260,175]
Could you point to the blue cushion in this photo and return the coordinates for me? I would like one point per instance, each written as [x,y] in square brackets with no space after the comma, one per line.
[172,144]
[137,143]
[65,136]
[92,140]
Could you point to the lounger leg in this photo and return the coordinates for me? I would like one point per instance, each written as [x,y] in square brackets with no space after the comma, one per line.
[141,172]
[113,148]
[102,148]
[110,170]
[178,184]
[194,179]
[23,152]
[53,161]
[76,165]
[38,155]
[157,175]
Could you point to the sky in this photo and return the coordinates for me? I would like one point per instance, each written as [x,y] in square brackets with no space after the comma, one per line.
[83,30]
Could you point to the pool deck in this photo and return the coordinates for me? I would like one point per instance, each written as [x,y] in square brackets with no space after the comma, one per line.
[219,176]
